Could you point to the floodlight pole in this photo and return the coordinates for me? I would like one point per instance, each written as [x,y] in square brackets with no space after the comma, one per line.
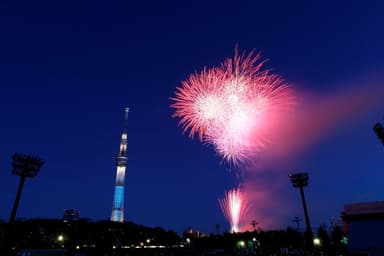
[26,167]
[17,199]
[300,180]
[307,222]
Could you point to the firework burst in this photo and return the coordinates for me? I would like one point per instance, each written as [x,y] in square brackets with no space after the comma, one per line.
[235,207]
[228,106]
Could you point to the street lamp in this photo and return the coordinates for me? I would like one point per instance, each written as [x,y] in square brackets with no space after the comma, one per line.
[316,241]
[300,180]
[60,238]
[241,244]
[188,241]
[26,167]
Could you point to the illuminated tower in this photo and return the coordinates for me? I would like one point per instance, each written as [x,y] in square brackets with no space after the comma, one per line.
[121,163]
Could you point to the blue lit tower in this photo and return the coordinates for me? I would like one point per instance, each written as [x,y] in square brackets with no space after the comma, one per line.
[121,163]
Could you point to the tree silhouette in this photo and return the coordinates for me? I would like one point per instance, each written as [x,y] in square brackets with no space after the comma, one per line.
[324,237]
[217,229]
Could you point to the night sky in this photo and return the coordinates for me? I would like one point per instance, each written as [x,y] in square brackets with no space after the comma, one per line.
[68,69]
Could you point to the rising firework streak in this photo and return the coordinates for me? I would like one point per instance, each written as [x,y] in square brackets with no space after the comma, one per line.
[235,207]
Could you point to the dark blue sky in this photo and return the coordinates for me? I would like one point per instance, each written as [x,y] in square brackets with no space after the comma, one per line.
[68,69]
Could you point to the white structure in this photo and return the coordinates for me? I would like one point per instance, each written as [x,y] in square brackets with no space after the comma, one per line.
[121,163]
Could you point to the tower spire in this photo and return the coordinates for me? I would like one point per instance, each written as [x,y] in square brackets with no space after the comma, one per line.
[126,120]
[121,163]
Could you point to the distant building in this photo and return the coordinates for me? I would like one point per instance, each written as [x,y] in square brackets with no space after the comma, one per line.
[71,215]
[193,233]
[364,225]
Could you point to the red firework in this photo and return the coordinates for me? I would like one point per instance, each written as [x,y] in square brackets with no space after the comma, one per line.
[229,106]
[235,207]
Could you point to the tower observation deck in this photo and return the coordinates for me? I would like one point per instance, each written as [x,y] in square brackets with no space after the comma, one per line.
[121,164]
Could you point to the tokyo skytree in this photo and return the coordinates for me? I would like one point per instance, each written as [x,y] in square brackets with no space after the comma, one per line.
[121,164]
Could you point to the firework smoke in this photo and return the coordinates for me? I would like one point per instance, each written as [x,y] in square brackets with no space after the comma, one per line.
[228,106]
[318,116]
[315,117]
[235,207]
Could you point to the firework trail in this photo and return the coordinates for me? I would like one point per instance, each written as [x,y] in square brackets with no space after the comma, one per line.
[235,207]
[229,106]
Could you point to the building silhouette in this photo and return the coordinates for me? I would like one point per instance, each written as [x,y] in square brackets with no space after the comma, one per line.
[71,215]
[364,225]
[121,164]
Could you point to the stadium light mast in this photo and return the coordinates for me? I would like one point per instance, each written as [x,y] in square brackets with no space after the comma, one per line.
[378,128]
[300,180]
[26,167]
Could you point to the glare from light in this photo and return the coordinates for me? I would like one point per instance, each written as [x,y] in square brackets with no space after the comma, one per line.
[316,241]
[241,244]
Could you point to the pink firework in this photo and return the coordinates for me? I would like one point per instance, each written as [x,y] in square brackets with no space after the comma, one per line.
[229,106]
[234,206]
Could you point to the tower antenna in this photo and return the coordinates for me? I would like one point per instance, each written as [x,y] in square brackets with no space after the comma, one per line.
[126,111]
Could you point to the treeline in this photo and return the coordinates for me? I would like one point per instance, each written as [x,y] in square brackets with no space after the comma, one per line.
[84,237]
